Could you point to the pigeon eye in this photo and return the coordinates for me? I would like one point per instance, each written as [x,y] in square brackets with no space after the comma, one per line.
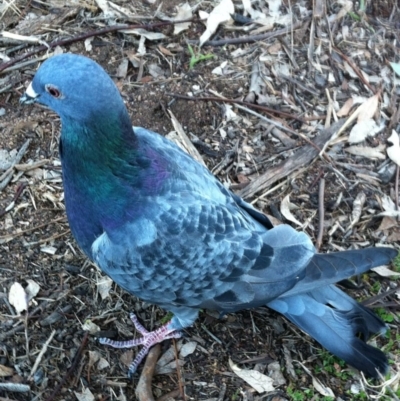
[53,91]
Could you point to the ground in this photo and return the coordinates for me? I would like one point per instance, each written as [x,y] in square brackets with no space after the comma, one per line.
[347,58]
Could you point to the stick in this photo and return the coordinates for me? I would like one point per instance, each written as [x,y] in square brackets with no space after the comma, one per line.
[321,211]
[143,390]
[84,36]
[41,353]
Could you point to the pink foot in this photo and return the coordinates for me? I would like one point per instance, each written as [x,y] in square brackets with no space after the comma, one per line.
[149,339]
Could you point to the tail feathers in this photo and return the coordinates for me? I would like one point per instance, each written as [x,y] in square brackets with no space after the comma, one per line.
[339,324]
[325,269]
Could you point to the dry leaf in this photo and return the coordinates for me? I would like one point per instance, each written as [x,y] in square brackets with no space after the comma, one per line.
[85,396]
[187,349]
[357,208]
[345,109]
[18,298]
[322,389]
[367,110]
[184,12]
[393,150]
[91,327]
[366,151]
[103,364]
[146,34]
[6,371]
[221,13]
[257,380]
[385,272]
[104,286]
[285,210]
[122,69]
[32,289]
[363,129]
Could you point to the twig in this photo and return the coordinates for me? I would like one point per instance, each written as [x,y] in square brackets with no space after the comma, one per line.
[15,387]
[18,192]
[72,369]
[251,105]
[169,396]
[356,70]
[178,372]
[321,211]
[7,236]
[87,35]
[143,390]
[396,188]
[250,39]
[41,353]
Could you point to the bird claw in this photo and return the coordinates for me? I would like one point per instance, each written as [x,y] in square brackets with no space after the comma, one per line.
[149,339]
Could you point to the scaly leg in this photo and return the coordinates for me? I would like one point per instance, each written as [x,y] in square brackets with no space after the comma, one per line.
[149,339]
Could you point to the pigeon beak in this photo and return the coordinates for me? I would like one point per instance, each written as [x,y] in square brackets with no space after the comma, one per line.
[29,97]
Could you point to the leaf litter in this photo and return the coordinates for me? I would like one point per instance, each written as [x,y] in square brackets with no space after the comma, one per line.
[293,72]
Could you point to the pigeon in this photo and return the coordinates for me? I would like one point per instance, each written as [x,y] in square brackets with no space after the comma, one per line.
[163,228]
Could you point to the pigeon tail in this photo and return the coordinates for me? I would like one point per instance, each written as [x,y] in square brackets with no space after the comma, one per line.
[339,324]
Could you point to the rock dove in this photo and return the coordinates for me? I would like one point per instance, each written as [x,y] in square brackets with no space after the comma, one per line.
[167,231]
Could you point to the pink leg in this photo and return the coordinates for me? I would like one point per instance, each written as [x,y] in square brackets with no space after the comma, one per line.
[149,339]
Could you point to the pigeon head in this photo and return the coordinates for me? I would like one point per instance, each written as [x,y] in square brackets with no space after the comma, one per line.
[76,88]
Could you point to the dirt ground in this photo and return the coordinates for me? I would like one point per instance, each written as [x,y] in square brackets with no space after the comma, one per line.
[36,244]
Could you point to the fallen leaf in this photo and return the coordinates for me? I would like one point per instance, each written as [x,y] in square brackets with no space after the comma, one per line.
[363,129]
[385,271]
[184,12]
[6,371]
[357,208]
[220,14]
[345,109]
[85,396]
[286,205]
[257,380]
[103,364]
[393,150]
[104,286]
[91,327]
[366,151]
[122,69]
[18,298]
[396,68]
[187,349]
[367,110]
[32,289]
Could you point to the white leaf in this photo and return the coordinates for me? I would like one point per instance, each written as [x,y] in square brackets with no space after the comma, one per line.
[220,69]
[88,44]
[18,298]
[221,13]
[103,364]
[187,349]
[363,129]
[104,286]
[385,272]
[367,110]
[184,12]
[85,396]
[91,327]
[393,150]
[142,32]
[257,380]
[285,210]
[108,13]
[366,151]
[32,289]
[396,68]
[325,391]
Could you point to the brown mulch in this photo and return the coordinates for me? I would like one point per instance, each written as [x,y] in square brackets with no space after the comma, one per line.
[47,353]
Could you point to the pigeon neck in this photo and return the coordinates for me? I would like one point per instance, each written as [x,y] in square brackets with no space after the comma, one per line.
[100,174]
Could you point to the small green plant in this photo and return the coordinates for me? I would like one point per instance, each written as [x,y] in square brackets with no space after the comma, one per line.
[396,263]
[385,315]
[167,318]
[194,59]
